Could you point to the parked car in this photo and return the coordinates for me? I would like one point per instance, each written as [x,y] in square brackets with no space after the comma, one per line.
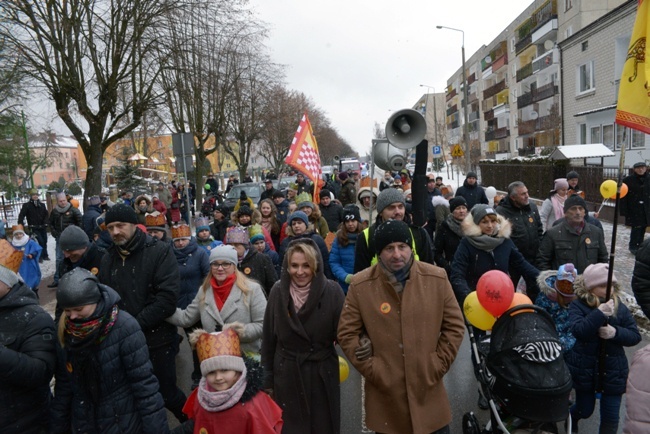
[253,190]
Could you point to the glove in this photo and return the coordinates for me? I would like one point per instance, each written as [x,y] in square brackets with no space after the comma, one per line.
[607,308]
[364,350]
[348,279]
[236,326]
[607,332]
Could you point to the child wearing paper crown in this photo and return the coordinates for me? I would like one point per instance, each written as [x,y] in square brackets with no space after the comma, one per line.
[595,322]
[556,292]
[229,399]
[29,270]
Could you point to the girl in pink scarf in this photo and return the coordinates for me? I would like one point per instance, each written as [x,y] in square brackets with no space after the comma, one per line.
[553,207]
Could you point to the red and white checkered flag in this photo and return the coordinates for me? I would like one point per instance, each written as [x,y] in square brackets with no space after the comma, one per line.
[303,155]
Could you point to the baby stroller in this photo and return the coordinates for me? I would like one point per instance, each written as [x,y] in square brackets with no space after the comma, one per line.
[522,373]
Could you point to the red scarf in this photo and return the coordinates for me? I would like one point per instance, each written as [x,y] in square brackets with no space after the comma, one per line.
[221,292]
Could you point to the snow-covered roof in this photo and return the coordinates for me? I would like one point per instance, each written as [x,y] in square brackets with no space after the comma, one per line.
[60,142]
[581,151]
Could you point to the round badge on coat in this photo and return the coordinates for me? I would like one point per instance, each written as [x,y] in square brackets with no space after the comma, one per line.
[247,270]
[384,308]
[587,241]
[530,219]
[94,271]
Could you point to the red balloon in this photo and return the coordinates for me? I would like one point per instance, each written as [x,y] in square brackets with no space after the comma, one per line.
[495,291]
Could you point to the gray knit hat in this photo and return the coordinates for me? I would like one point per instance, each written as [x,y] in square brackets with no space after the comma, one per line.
[388,196]
[224,252]
[480,210]
[73,238]
[8,277]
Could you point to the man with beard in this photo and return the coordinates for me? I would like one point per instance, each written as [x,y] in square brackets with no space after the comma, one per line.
[144,272]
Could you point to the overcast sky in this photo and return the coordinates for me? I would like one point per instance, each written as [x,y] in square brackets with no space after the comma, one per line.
[360,59]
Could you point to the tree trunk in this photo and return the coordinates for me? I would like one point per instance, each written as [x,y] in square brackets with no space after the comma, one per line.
[94,173]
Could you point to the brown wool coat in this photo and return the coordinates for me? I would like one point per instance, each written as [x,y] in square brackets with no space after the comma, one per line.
[415,340]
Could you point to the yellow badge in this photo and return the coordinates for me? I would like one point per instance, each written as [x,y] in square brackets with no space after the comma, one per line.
[203,431]
[68,366]
[94,270]
[587,241]
[247,270]
[384,308]
[530,219]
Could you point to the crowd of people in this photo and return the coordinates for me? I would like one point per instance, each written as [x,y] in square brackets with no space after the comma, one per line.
[265,291]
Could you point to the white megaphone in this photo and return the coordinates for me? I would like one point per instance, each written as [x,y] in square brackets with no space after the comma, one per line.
[406,128]
[388,157]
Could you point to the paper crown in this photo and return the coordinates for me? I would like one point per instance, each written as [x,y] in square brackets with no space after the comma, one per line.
[255,233]
[201,221]
[181,231]
[155,219]
[19,228]
[237,235]
[211,345]
[303,197]
[9,257]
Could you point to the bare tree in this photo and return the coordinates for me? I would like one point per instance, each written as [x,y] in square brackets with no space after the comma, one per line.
[82,52]
[10,76]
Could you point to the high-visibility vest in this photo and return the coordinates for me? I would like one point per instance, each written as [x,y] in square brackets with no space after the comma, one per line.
[373,261]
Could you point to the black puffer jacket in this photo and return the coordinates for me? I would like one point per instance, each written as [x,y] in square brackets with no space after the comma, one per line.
[526,224]
[91,261]
[473,194]
[27,362]
[446,243]
[333,215]
[259,267]
[129,400]
[635,206]
[147,281]
[61,220]
[89,219]
[36,214]
[641,277]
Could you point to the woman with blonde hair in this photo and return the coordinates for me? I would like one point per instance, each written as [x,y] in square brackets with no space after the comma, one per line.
[227,297]
[298,226]
[269,221]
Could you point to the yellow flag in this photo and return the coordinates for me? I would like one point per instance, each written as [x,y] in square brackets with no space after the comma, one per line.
[633,107]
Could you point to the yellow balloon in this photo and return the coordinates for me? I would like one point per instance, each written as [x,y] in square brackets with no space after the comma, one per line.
[344,370]
[608,188]
[476,314]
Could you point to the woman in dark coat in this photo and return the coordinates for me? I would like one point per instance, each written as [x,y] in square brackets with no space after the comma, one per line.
[298,226]
[299,332]
[104,379]
[253,264]
[449,234]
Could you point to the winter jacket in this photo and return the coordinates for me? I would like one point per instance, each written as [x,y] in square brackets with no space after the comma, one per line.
[165,196]
[283,211]
[365,250]
[333,215]
[129,401]
[588,218]
[415,337]
[193,265]
[89,220]
[526,226]
[275,259]
[348,193]
[364,212]
[255,413]
[27,362]
[159,206]
[208,244]
[248,310]
[147,281]
[320,226]
[141,214]
[266,194]
[29,269]
[446,243]
[637,411]
[547,300]
[320,243]
[342,260]
[547,214]
[635,206]
[584,356]
[218,229]
[641,277]
[258,266]
[298,354]
[470,262]
[36,214]
[61,220]
[473,194]
[562,244]
[91,261]
[440,211]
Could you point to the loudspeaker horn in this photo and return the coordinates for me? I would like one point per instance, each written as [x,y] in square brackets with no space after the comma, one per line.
[406,128]
[388,157]
[337,158]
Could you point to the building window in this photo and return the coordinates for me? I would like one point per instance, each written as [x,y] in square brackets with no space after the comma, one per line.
[568,4]
[596,136]
[582,133]
[586,77]
[608,136]
[585,45]
[67,165]
[66,155]
[60,165]
[638,139]
[568,32]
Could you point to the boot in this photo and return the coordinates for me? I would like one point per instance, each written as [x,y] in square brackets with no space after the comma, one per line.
[608,428]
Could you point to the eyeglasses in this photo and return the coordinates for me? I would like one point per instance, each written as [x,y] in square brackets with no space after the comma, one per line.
[222,266]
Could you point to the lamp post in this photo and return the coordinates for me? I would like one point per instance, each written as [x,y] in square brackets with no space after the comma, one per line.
[466,126]
[435,126]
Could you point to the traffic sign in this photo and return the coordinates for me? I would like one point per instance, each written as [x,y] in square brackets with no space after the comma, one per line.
[457,151]
[436,150]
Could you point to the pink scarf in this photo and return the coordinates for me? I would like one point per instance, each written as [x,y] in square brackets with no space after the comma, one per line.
[213,401]
[266,223]
[558,206]
[299,294]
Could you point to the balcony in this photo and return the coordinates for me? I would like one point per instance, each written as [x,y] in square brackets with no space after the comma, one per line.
[546,91]
[539,125]
[524,152]
[527,127]
[474,116]
[493,90]
[499,63]
[489,115]
[453,125]
[453,109]
[524,100]
[471,79]
[522,44]
[451,94]
[537,20]
[498,133]
[543,62]
[524,72]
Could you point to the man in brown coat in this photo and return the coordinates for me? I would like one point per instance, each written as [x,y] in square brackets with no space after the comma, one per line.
[401,328]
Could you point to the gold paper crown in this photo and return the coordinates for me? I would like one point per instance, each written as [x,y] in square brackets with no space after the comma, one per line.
[181,231]
[211,345]
[15,228]
[9,257]
[155,219]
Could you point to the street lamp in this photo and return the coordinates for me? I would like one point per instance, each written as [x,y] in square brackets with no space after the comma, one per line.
[466,126]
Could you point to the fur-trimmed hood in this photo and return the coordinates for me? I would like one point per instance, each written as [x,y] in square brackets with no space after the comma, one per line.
[471,229]
[544,281]
[439,200]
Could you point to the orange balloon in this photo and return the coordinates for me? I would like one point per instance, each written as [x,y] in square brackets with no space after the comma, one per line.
[518,299]
[623,191]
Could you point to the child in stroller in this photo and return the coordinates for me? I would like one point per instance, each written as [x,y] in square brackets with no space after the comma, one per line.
[521,371]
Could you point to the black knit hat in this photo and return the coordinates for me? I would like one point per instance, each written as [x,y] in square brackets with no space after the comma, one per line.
[471,175]
[121,213]
[244,210]
[351,213]
[572,175]
[277,193]
[325,193]
[242,195]
[574,200]
[456,202]
[392,231]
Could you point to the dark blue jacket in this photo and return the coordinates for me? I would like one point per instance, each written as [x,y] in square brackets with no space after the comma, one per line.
[582,359]
[283,211]
[193,265]
[473,194]
[275,259]
[342,260]
[89,220]
[129,399]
